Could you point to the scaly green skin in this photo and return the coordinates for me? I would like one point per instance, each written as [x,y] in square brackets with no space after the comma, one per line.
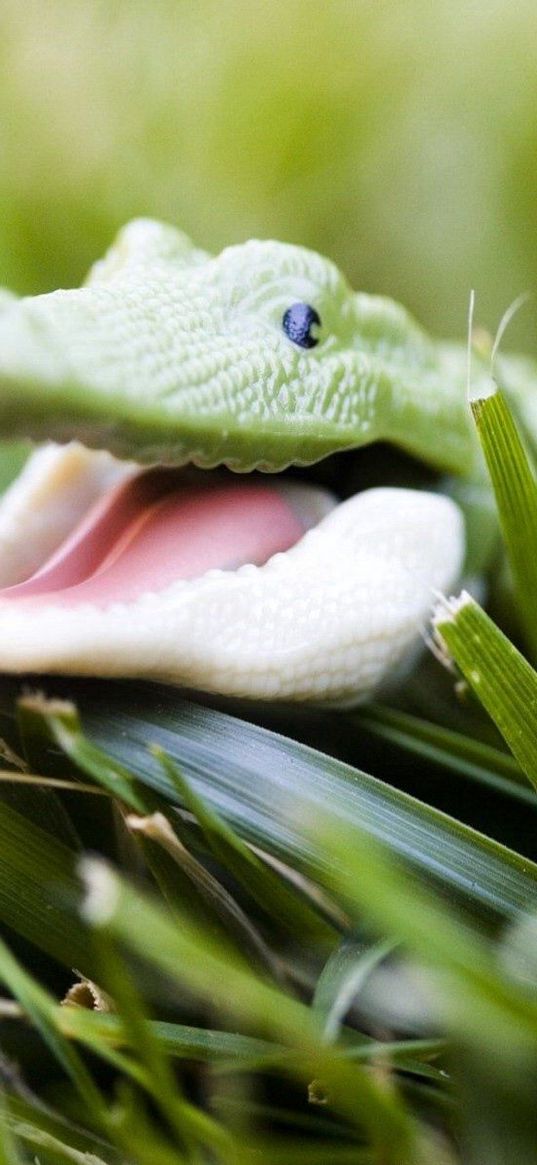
[170,355]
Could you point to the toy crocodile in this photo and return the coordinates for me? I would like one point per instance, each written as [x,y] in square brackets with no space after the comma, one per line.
[115,561]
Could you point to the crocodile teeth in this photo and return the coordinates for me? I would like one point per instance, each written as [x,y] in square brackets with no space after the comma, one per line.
[331,618]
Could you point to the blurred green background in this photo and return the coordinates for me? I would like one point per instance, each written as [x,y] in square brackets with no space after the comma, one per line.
[398,137]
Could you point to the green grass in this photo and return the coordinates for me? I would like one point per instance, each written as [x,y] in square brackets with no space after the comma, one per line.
[283,955]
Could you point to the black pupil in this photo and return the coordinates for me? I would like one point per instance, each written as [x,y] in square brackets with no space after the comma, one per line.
[298,321]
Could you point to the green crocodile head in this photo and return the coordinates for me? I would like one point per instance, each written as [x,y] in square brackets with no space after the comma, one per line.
[259,357]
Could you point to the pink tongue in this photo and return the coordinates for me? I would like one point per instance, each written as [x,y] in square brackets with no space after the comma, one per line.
[149,532]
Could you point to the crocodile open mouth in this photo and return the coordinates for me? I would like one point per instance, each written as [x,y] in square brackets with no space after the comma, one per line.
[160,526]
[267,586]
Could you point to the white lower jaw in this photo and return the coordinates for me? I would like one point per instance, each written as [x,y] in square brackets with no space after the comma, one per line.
[331,619]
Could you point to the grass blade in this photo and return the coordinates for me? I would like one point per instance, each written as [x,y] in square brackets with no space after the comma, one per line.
[447,748]
[251,776]
[9,1154]
[43,1127]
[179,1040]
[58,719]
[262,884]
[232,1051]
[502,679]
[515,489]
[157,830]
[345,973]
[35,870]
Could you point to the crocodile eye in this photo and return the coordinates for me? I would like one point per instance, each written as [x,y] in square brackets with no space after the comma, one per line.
[298,322]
